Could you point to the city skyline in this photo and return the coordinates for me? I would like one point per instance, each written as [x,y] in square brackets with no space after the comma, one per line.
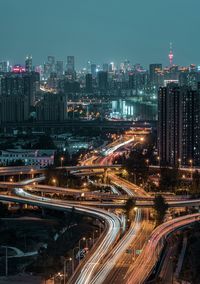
[100,32]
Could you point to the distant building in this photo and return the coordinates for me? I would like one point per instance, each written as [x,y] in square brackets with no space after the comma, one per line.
[20,84]
[179,125]
[105,67]
[28,64]
[59,68]
[70,64]
[154,70]
[70,73]
[94,70]
[41,158]
[4,66]
[53,107]
[14,108]
[88,83]
[102,78]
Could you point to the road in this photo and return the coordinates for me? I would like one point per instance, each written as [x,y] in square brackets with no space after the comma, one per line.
[151,251]
[88,267]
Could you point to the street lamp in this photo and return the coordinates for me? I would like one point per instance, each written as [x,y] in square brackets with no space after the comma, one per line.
[158,158]
[65,262]
[61,161]
[179,162]
[191,166]
[93,236]
[79,245]
[54,181]
[20,176]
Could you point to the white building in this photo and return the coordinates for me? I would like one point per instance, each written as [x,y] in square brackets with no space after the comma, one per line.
[42,158]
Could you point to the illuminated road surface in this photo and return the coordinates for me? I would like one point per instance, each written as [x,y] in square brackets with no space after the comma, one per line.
[151,251]
[112,223]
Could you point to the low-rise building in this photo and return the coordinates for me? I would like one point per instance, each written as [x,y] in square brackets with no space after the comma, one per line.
[39,157]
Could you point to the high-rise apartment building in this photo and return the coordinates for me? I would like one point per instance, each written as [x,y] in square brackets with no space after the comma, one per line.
[23,84]
[178,125]
[52,108]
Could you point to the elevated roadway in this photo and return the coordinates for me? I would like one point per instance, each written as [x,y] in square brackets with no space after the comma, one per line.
[151,251]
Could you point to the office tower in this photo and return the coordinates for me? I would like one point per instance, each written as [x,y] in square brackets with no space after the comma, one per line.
[88,83]
[70,73]
[14,108]
[4,66]
[47,70]
[138,81]
[94,70]
[178,125]
[154,70]
[70,64]
[111,67]
[52,108]
[49,66]
[52,80]
[51,60]
[59,68]
[127,66]
[102,80]
[28,64]
[105,67]
[88,66]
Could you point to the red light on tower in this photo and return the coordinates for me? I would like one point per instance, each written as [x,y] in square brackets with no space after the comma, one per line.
[171,55]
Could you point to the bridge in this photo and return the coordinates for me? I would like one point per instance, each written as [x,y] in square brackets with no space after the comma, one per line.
[62,126]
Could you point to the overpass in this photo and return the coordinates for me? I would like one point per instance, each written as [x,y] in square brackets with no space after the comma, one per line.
[63,126]
[31,170]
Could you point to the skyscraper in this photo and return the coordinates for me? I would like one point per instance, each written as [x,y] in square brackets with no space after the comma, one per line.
[102,80]
[28,64]
[105,67]
[178,125]
[70,64]
[94,70]
[88,83]
[154,70]
[59,68]
[4,66]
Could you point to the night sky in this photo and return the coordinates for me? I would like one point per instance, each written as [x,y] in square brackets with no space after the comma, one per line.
[100,30]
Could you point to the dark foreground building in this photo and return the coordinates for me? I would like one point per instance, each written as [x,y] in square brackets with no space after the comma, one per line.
[179,125]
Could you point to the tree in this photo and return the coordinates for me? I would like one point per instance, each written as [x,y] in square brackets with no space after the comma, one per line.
[130,204]
[3,210]
[169,179]
[44,142]
[196,182]
[136,165]
[160,206]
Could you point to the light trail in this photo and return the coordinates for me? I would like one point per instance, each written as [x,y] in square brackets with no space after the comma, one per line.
[151,251]
[112,221]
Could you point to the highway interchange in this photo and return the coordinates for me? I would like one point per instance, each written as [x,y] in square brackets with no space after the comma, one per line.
[108,261]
